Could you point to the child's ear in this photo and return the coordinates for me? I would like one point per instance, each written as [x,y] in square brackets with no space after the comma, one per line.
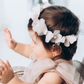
[56,50]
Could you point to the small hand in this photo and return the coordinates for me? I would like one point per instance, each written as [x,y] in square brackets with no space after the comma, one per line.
[6,72]
[8,39]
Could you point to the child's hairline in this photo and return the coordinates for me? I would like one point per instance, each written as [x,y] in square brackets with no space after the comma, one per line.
[39,37]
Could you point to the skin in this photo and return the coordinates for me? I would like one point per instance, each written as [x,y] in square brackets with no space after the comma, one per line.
[39,50]
[6,72]
[37,46]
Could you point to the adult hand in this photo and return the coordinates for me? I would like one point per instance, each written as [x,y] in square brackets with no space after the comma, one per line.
[6,72]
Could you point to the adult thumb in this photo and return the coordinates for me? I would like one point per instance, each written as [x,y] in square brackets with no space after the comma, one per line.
[8,64]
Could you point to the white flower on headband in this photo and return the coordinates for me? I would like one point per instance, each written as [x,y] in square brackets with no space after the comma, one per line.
[70,39]
[38,9]
[40,27]
[58,37]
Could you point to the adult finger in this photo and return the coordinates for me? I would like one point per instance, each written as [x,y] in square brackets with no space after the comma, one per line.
[3,64]
[8,64]
[0,73]
[1,68]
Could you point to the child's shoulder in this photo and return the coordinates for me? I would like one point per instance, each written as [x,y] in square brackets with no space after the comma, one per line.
[51,78]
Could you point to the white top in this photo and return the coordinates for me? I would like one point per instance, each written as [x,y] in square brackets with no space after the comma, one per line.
[34,72]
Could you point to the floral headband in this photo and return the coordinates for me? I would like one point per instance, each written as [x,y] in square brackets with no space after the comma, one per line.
[40,27]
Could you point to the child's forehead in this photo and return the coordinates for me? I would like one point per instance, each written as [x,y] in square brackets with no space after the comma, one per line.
[33,35]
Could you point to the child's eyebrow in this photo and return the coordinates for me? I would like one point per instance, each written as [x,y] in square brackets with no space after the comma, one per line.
[35,38]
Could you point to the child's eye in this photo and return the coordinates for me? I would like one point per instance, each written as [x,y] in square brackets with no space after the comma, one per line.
[34,42]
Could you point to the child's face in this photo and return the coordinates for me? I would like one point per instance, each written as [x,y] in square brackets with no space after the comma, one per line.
[38,47]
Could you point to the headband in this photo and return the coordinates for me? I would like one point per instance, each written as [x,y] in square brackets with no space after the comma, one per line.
[40,28]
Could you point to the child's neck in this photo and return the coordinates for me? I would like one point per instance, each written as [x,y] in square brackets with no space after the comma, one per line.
[67,61]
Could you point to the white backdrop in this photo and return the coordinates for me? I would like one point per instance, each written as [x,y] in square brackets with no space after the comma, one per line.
[14,14]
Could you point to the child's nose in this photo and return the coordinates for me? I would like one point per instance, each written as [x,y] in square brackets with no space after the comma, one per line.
[32,44]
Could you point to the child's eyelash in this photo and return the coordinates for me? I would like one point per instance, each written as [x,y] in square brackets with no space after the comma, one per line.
[34,41]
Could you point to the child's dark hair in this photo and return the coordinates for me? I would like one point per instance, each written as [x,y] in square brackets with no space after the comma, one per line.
[59,18]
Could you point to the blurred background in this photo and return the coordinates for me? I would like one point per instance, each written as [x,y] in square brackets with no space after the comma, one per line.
[14,15]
